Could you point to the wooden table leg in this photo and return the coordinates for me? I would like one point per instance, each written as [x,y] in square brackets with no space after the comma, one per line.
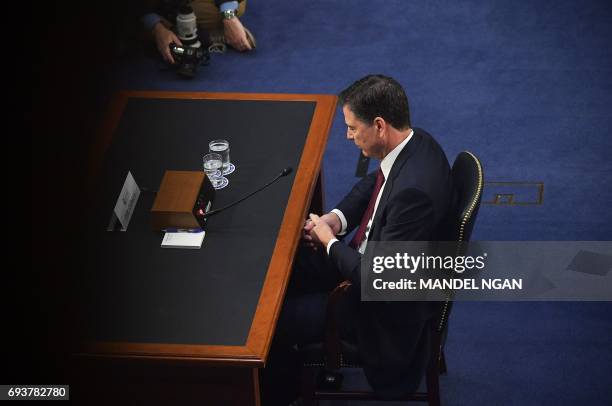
[247,390]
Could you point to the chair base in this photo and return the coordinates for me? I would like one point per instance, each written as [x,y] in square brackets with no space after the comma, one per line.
[311,393]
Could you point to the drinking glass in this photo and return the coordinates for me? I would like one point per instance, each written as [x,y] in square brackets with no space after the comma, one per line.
[212,166]
[222,147]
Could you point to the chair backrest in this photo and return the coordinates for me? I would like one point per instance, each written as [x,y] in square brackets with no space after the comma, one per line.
[468,181]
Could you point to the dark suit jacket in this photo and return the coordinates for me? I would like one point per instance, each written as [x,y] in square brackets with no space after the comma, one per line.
[393,336]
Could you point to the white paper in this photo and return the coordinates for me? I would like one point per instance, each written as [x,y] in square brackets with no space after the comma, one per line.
[127,201]
[183,240]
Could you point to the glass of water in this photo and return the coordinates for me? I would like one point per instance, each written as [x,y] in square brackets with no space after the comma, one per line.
[222,147]
[212,166]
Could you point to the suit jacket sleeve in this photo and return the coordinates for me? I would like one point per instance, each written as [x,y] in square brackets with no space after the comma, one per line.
[356,202]
[408,216]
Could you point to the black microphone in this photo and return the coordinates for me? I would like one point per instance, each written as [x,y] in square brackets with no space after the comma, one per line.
[283,173]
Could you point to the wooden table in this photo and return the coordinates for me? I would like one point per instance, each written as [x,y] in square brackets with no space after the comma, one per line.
[149,368]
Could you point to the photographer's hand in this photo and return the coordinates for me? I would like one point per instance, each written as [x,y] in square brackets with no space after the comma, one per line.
[235,35]
[163,38]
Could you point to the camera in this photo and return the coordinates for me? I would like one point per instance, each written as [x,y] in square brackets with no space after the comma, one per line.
[191,55]
[188,59]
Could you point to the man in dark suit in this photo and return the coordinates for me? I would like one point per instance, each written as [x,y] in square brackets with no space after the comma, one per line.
[406,199]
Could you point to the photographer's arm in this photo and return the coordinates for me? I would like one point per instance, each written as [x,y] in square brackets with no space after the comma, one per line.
[234,31]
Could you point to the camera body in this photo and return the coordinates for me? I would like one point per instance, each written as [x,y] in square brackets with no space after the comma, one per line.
[188,59]
[191,54]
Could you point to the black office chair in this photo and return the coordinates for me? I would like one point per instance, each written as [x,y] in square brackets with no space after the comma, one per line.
[468,181]
[321,378]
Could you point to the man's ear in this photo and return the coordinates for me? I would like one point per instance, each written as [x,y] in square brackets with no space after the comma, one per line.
[380,124]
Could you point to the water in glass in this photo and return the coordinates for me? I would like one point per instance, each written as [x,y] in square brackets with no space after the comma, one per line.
[221,147]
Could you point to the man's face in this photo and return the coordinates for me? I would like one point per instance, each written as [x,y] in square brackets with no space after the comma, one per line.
[364,135]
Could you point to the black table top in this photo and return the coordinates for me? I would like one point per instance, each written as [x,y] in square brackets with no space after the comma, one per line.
[131,289]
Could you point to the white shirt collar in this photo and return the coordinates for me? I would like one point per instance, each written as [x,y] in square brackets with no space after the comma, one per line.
[387,163]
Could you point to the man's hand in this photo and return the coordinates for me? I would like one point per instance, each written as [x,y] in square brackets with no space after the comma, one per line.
[163,38]
[235,35]
[321,229]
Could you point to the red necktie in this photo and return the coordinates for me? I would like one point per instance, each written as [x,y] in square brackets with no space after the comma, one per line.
[360,234]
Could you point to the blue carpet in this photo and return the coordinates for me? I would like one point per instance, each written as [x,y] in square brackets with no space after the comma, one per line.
[527,86]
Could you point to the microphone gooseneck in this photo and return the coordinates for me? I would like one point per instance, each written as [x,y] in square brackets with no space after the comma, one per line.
[286,171]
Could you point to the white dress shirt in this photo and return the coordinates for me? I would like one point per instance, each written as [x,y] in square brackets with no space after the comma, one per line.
[385,165]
